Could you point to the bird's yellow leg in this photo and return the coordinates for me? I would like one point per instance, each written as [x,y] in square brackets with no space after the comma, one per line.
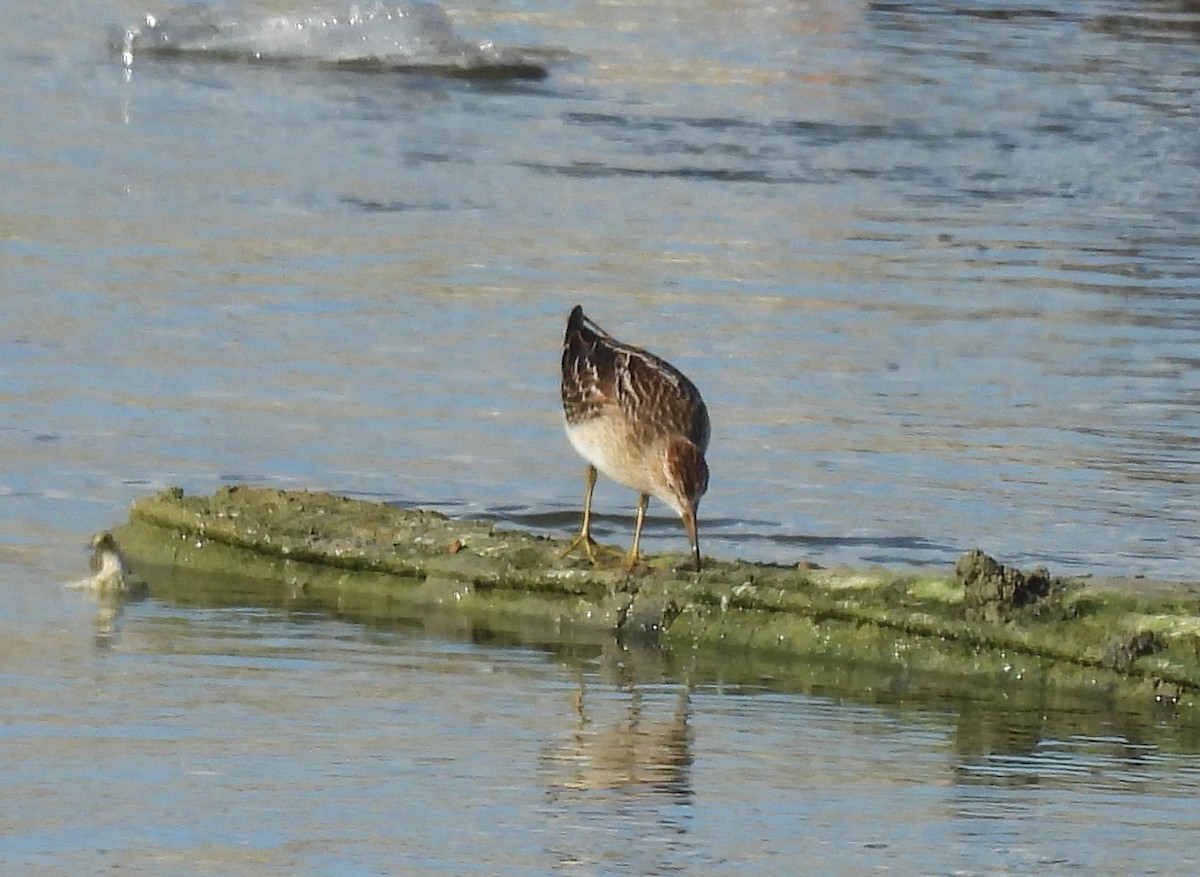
[632,560]
[585,532]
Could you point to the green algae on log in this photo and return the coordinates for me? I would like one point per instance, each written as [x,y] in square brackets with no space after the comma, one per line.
[984,620]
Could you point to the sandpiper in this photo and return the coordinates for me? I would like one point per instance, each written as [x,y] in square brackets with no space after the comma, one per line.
[637,419]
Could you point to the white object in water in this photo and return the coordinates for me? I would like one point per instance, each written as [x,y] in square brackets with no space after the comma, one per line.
[111,575]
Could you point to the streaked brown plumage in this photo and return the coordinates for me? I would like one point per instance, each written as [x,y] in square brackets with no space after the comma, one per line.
[637,419]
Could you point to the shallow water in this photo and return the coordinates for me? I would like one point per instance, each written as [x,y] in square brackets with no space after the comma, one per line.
[261,741]
[934,269]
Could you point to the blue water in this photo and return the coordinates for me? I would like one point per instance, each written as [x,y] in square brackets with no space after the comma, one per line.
[267,742]
[933,268]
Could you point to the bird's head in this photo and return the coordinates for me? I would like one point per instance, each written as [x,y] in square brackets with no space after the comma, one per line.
[686,479]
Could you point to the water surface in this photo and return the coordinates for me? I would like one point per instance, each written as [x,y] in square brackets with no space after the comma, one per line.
[933,268]
[267,741]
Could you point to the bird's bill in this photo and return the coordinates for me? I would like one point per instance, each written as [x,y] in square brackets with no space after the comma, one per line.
[689,522]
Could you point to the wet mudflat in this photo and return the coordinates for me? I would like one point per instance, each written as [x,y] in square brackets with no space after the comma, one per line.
[933,269]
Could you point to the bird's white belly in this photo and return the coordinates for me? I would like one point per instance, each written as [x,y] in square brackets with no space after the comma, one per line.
[605,444]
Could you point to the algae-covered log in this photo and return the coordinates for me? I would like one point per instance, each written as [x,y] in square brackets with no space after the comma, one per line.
[982,619]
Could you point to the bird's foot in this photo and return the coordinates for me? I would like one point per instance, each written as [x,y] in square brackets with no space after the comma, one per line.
[590,547]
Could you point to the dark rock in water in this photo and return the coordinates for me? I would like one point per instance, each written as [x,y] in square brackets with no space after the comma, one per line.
[995,592]
[408,36]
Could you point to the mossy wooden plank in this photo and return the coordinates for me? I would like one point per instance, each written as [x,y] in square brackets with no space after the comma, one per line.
[333,549]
